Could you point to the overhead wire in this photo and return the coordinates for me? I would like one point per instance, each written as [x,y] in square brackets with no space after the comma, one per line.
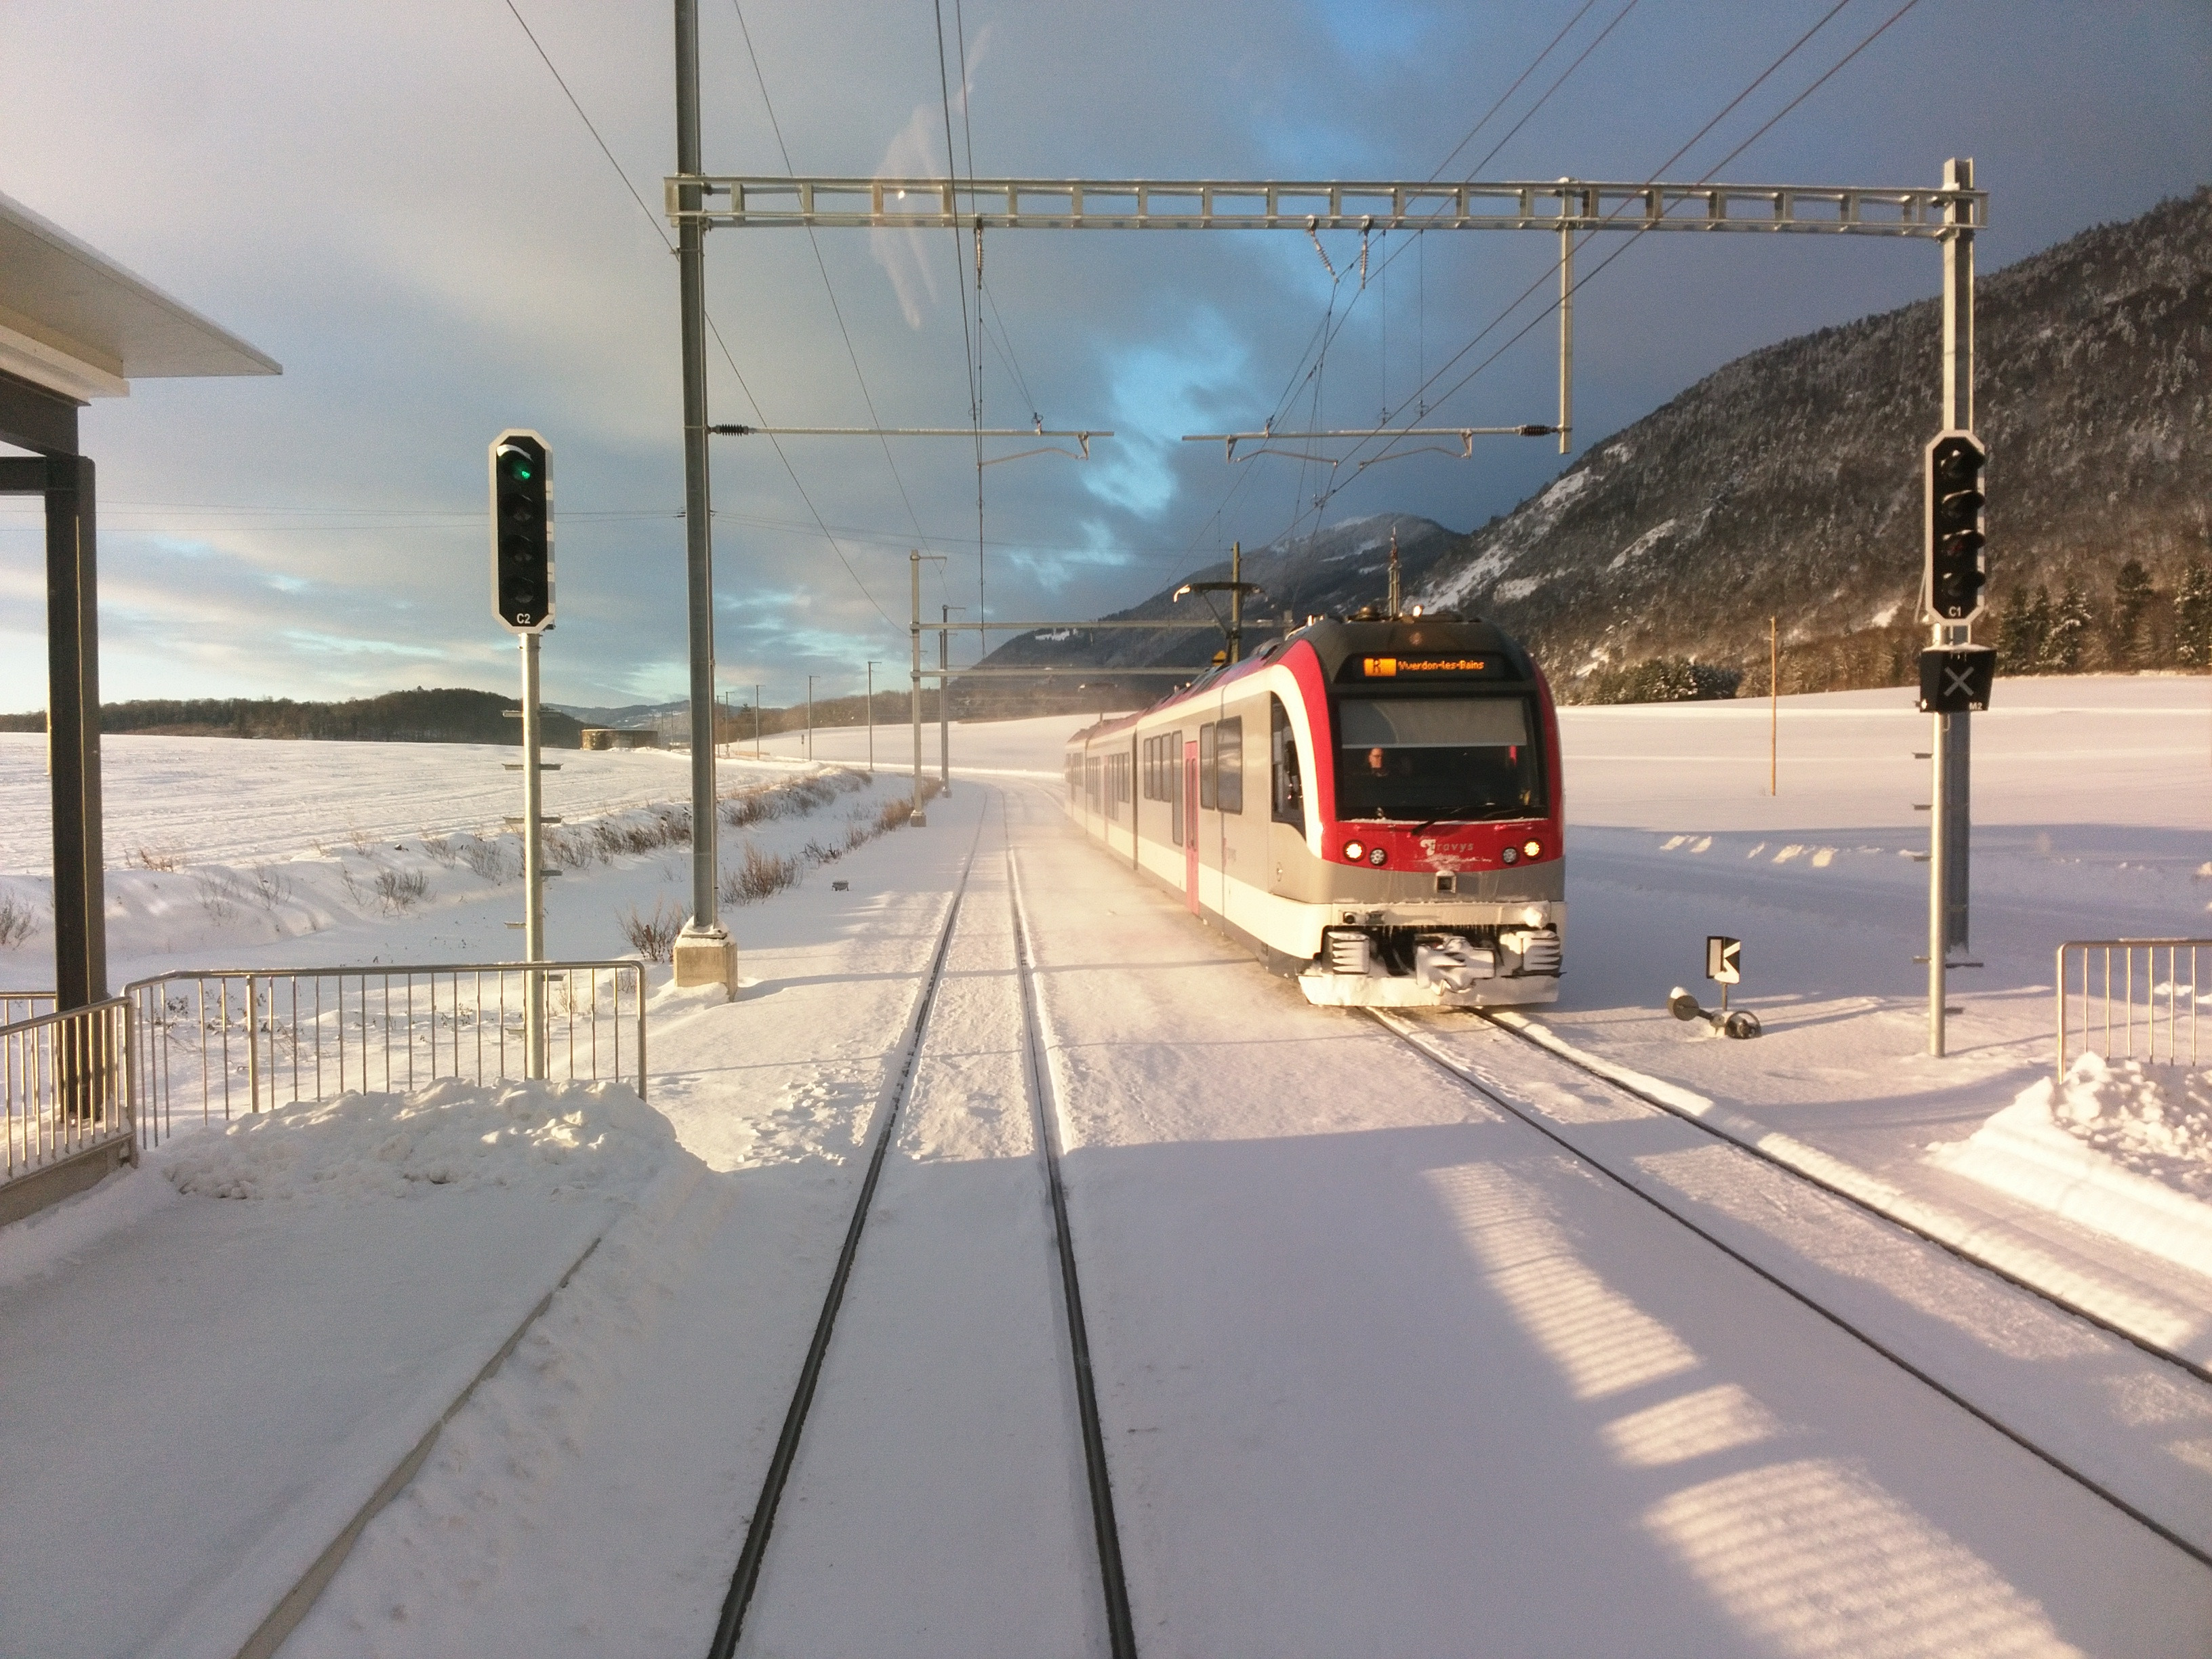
[445,520]
[1325,335]
[970,349]
[1528,114]
[1638,235]
[1504,96]
[1010,358]
[821,265]
[659,231]
[968,133]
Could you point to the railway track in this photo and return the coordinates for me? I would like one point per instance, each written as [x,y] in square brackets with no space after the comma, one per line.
[1949,1232]
[1501,1091]
[745,1578]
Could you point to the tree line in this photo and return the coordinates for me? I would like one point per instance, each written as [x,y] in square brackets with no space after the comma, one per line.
[443,714]
[2138,625]
[2134,626]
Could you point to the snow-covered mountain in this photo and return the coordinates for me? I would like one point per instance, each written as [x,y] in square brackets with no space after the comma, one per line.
[1787,483]
[1327,573]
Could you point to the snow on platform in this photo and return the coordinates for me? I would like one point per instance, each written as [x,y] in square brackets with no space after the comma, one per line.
[213,1361]
[2123,1148]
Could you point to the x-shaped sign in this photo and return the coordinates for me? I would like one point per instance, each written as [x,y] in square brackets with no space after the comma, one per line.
[1958,682]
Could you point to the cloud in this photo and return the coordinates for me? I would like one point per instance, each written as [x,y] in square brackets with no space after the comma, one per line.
[913,259]
[1159,393]
[399,204]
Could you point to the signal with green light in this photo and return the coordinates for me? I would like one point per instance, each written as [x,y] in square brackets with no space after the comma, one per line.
[522,532]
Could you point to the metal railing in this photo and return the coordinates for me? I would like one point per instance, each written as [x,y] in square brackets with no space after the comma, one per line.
[240,1040]
[64,1084]
[18,1005]
[2130,999]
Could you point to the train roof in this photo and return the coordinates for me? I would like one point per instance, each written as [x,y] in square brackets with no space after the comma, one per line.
[1336,641]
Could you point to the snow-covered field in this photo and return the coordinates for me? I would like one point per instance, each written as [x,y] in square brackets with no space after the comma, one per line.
[1382,1371]
[227,853]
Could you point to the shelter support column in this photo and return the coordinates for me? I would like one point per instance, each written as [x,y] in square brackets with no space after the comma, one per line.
[73,733]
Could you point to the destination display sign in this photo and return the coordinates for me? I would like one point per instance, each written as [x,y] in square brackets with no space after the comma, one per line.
[1488,665]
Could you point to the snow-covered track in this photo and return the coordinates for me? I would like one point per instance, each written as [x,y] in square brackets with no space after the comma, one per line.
[746,1578]
[2029,1269]
[1121,1628]
[1518,1093]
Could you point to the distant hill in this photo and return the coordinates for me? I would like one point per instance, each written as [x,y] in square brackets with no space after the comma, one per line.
[1788,484]
[1332,571]
[629,714]
[452,714]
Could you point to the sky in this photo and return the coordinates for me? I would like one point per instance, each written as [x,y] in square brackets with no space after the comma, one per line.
[401,203]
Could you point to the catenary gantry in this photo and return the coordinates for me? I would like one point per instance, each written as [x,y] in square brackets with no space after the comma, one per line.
[1576,204]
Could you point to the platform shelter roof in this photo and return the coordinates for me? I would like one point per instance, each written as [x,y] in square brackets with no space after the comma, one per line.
[76,323]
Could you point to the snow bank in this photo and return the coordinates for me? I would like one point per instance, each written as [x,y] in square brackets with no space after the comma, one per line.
[2156,1121]
[572,1138]
[2120,1146]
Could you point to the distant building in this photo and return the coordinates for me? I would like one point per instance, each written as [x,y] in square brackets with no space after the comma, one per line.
[612,737]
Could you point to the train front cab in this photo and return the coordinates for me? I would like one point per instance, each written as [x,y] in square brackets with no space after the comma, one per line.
[1405,850]
[1441,842]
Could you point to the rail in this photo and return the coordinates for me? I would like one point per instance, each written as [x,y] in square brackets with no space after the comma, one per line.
[242,1039]
[2123,1003]
[64,1082]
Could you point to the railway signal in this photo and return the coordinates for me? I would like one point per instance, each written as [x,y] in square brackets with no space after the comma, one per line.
[1954,573]
[522,532]
[522,599]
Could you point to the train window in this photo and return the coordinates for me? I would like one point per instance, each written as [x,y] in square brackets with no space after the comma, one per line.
[1171,758]
[1205,798]
[1286,788]
[1426,759]
[1228,765]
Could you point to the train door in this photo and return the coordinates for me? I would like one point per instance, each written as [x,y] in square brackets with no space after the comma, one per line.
[1190,826]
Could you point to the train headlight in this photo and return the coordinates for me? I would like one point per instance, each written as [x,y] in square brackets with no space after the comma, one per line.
[1376,855]
[1532,848]
[1533,915]
[1511,855]
[1355,851]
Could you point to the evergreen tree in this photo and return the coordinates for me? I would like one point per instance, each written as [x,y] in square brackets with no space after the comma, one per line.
[2131,599]
[2070,624]
[2026,634]
[2192,616]
[2020,629]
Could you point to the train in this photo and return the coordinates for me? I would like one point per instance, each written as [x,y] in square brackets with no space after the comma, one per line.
[1371,805]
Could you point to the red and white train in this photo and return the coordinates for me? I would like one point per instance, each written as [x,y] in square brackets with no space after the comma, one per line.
[1372,806]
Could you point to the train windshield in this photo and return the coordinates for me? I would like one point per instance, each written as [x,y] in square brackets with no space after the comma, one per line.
[1431,759]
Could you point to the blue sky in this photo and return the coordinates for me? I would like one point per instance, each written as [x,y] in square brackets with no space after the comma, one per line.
[398,202]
